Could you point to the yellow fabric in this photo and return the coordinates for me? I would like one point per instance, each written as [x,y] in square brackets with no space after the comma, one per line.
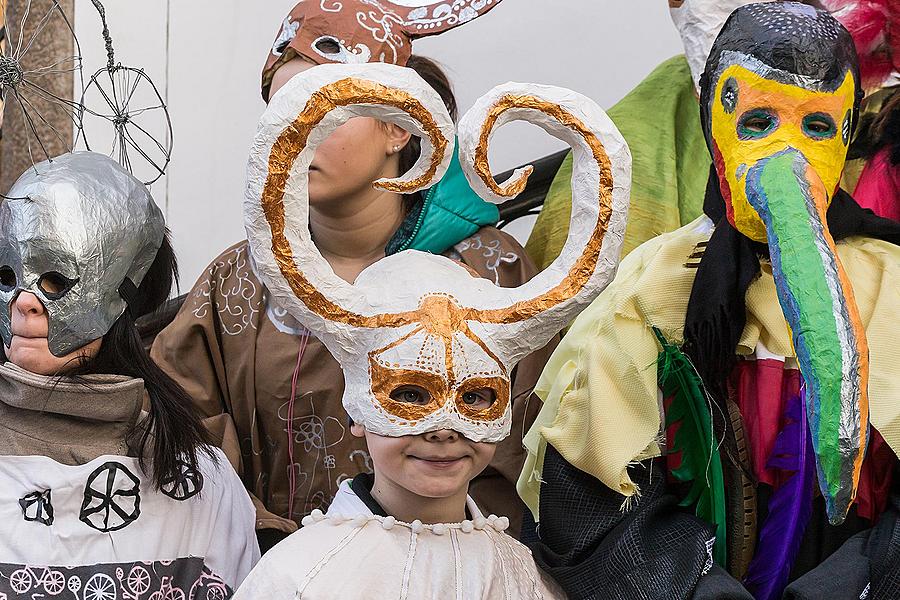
[601,409]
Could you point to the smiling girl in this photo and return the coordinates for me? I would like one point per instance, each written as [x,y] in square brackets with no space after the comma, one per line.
[426,346]
[270,390]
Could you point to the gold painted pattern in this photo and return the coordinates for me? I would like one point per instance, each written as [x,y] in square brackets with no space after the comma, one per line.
[495,410]
[293,140]
[586,264]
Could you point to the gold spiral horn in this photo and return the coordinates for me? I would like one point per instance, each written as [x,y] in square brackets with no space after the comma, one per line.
[601,183]
[276,205]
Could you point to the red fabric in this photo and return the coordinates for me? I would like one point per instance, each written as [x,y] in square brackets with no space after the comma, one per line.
[879,186]
[875,27]
[762,388]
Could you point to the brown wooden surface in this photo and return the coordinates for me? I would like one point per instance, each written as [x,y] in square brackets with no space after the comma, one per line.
[52,45]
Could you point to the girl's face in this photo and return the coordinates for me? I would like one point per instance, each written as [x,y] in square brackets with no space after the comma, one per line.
[438,464]
[359,152]
[29,348]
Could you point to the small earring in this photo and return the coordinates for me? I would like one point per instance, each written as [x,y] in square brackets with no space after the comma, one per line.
[396,149]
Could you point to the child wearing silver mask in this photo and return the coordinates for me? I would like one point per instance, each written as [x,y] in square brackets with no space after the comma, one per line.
[99,494]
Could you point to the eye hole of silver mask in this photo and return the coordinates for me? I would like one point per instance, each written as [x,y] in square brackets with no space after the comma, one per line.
[8,279]
[55,285]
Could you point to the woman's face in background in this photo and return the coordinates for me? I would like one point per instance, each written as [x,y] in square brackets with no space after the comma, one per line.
[356,154]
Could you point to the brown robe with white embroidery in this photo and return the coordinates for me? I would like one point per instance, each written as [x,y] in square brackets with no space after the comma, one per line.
[230,356]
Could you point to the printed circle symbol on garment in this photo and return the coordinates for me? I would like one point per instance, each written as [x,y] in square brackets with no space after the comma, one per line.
[74,584]
[167,592]
[37,507]
[54,582]
[112,498]
[185,484]
[100,587]
[20,581]
[138,580]
[209,587]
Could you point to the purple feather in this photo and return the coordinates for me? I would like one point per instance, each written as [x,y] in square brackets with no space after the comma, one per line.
[789,507]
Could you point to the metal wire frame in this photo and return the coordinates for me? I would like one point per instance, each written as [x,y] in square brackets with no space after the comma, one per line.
[117,85]
[24,86]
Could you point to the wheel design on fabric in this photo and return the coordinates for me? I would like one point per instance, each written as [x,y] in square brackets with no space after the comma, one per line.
[74,584]
[138,580]
[37,507]
[100,587]
[20,581]
[187,483]
[209,587]
[167,592]
[112,498]
[54,582]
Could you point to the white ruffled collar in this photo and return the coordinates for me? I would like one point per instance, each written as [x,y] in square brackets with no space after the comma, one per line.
[348,507]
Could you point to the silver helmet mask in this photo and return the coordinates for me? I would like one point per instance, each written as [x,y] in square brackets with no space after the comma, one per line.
[77,232]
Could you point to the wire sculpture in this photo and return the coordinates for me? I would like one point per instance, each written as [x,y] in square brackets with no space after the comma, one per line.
[117,97]
[128,99]
[29,88]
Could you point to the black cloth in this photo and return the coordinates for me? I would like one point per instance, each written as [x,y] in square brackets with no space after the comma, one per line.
[269,538]
[868,561]
[362,487]
[717,310]
[883,550]
[594,550]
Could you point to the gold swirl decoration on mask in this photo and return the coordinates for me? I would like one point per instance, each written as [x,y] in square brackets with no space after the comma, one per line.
[293,140]
[439,315]
[582,269]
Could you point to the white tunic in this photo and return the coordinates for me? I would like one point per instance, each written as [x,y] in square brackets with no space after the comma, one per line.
[99,531]
[89,525]
[352,553]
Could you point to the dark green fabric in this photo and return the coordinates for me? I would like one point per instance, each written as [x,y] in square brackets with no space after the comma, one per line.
[660,120]
[449,213]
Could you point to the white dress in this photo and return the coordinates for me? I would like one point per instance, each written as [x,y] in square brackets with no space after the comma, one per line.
[352,553]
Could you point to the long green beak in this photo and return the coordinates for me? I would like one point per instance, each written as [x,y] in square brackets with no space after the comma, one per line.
[820,309]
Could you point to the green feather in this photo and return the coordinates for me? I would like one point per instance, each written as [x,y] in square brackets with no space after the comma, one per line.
[701,463]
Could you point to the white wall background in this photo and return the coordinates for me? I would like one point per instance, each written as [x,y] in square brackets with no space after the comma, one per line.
[205,56]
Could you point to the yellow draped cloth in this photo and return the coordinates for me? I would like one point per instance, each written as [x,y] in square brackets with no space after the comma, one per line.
[602,408]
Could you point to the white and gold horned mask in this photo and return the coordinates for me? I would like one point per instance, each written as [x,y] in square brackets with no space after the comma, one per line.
[415,318]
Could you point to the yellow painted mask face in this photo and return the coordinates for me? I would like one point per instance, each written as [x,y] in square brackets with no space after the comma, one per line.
[754,118]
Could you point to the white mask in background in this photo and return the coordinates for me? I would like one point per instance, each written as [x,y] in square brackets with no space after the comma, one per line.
[699,22]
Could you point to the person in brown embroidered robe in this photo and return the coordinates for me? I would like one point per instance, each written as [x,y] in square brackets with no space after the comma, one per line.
[271,392]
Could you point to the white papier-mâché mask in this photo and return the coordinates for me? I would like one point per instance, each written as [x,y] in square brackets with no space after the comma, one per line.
[80,220]
[415,318]
[699,23]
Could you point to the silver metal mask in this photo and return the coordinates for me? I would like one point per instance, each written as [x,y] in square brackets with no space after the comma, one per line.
[79,228]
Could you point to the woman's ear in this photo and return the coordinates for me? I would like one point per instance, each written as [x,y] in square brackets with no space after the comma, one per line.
[397,138]
[357,430]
